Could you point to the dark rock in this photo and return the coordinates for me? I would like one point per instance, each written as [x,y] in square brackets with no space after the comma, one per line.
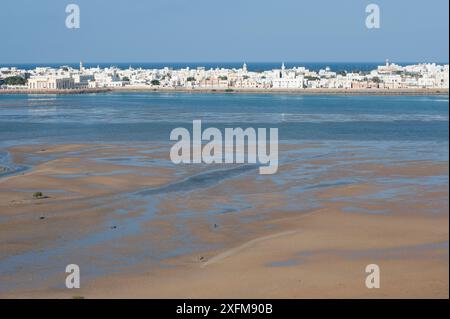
[38,195]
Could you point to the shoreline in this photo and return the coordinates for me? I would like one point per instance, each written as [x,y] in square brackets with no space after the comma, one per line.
[62,92]
[136,89]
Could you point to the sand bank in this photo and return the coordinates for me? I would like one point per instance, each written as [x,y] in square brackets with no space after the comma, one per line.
[114,210]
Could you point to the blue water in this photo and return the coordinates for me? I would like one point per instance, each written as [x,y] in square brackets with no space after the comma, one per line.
[125,117]
[252,66]
[149,117]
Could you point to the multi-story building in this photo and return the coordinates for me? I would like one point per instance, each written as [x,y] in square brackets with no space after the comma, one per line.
[50,83]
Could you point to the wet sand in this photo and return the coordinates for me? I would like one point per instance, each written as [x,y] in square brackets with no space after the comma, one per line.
[139,226]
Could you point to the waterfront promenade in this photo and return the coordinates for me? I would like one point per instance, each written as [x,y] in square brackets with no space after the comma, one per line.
[307,91]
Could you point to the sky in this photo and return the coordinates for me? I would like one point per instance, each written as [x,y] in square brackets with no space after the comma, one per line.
[34,31]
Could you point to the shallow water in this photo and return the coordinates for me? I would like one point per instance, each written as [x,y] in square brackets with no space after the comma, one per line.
[126,117]
[150,116]
[327,142]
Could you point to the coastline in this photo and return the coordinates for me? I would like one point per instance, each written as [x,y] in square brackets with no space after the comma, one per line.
[307,91]
[66,91]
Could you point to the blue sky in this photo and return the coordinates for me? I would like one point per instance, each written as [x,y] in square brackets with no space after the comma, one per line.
[231,30]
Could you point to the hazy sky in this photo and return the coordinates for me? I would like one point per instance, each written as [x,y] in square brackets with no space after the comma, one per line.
[231,30]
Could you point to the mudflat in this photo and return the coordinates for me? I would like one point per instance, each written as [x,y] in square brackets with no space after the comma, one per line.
[140,226]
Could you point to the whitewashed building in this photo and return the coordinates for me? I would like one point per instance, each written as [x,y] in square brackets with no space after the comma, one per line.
[50,83]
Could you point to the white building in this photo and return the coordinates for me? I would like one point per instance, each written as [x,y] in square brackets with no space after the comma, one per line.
[50,83]
[287,79]
[288,83]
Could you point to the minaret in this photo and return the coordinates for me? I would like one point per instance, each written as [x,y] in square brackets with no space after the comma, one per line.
[81,66]
[283,70]
[244,67]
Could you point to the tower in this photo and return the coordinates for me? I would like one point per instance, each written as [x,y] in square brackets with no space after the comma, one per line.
[244,67]
[283,70]
[81,66]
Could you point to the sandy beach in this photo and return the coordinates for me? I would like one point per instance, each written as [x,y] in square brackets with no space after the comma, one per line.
[139,228]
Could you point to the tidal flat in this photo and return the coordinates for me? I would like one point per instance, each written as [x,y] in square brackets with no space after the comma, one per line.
[88,180]
[140,226]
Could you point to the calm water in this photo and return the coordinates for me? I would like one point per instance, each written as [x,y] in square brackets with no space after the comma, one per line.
[151,116]
[141,117]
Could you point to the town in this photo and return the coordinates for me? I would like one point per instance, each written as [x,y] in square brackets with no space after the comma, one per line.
[387,76]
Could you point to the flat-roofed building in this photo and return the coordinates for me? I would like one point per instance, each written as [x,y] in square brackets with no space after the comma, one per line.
[50,83]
